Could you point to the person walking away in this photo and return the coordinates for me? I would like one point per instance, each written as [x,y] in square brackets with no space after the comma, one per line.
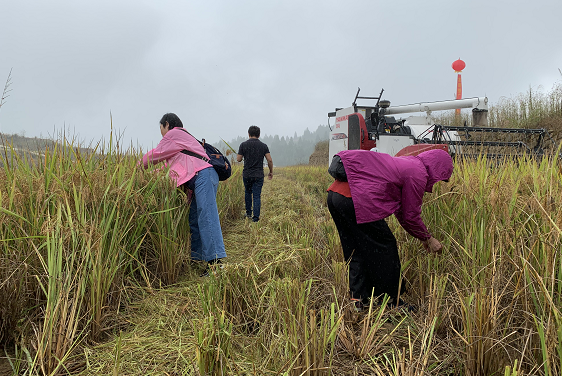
[197,178]
[379,185]
[253,151]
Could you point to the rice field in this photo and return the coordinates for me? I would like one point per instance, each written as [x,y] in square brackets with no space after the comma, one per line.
[95,277]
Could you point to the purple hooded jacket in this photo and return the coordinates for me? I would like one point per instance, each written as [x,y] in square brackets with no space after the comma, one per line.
[382,185]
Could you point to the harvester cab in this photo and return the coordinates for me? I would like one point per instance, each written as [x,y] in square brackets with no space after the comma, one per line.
[376,128]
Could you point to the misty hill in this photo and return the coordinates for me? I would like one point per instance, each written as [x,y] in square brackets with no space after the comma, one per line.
[32,148]
[21,145]
[287,151]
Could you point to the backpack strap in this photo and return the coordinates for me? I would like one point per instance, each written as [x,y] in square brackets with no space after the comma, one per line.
[192,154]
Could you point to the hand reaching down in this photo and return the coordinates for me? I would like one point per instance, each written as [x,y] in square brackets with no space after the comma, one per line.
[432,245]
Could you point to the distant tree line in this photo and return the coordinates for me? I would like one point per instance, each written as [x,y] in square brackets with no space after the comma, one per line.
[286,151]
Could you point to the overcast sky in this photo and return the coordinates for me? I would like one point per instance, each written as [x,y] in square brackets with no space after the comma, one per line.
[223,65]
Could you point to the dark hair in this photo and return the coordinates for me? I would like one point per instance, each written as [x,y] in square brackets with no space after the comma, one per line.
[172,119]
[254,131]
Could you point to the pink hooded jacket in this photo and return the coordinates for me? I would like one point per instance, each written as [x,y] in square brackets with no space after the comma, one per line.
[182,167]
[382,185]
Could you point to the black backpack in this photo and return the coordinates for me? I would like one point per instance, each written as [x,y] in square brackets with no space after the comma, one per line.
[336,169]
[219,162]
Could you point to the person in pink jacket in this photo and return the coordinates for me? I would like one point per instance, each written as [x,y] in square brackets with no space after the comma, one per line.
[199,177]
[379,185]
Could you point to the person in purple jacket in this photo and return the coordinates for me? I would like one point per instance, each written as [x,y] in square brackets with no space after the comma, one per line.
[195,175]
[379,185]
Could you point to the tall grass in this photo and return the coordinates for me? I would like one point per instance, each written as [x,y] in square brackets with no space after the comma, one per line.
[503,237]
[489,304]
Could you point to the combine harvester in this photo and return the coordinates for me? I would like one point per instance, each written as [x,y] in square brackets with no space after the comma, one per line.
[375,128]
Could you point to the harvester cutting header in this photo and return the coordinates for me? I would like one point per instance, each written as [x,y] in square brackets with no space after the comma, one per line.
[376,128]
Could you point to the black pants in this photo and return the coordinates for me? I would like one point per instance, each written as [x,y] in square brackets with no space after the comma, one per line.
[252,193]
[369,248]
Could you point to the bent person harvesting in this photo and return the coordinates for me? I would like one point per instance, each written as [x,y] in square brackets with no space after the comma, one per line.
[197,177]
[379,185]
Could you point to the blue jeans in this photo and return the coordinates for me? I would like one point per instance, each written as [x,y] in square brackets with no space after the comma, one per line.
[253,188]
[206,234]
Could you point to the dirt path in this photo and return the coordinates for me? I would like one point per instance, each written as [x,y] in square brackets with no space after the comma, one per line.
[282,202]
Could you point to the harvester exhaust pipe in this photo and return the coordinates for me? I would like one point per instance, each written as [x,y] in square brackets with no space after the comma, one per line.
[479,117]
